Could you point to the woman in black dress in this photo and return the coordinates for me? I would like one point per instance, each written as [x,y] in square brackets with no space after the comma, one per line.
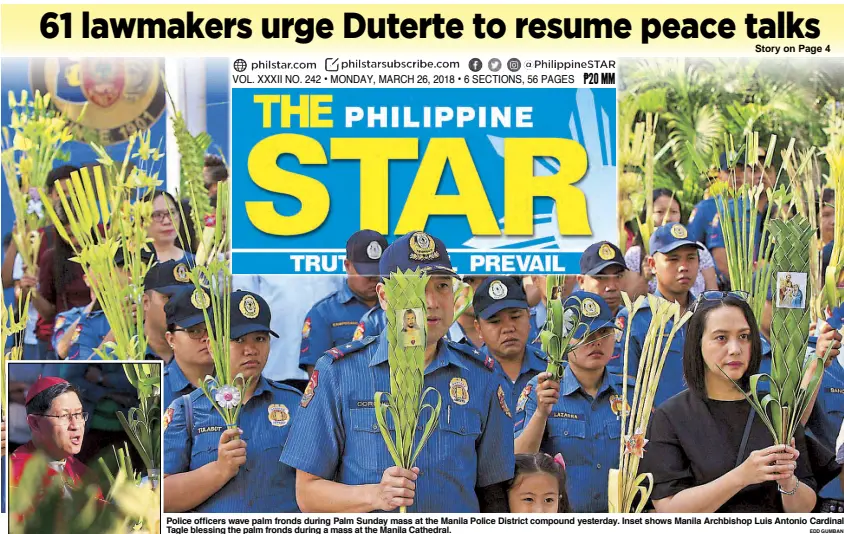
[708,451]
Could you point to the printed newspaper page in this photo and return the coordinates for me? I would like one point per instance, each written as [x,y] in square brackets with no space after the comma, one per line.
[421,269]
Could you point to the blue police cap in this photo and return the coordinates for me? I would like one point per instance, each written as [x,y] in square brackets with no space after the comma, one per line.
[498,293]
[146,256]
[594,311]
[249,313]
[416,250]
[598,256]
[185,307]
[669,237]
[168,277]
[364,249]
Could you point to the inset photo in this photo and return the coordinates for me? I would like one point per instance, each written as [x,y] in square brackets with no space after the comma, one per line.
[84,444]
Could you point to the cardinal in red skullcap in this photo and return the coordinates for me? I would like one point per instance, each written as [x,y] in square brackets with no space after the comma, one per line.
[55,417]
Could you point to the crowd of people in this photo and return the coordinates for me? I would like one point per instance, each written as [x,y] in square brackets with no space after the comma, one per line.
[509,436]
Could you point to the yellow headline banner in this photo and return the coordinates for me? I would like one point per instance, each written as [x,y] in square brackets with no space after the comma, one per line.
[628,30]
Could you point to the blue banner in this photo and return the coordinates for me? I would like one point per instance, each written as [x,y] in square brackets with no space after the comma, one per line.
[514,181]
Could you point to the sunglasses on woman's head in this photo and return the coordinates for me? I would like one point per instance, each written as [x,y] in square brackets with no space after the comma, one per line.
[718,296]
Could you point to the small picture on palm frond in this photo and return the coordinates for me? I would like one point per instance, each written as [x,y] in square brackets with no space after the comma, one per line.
[791,290]
[412,333]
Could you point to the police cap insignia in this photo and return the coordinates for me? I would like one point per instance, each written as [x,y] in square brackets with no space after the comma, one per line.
[249,307]
[497,290]
[373,251]
[180,273]
[422,247]
[606,252]
[679,231]
[200,299]
[590,308]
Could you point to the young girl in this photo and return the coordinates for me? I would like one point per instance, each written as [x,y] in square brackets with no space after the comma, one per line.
[538,485]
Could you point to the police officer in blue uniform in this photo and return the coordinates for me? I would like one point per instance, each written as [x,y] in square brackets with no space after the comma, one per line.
[827,414]
[210,469]
[704,221]
[602,268]
[161,282]
[333,320]
[539,312]
[503,319]
[79,331]
[469,457]
[463,330]
[188,339]
[674,260]
[579,417]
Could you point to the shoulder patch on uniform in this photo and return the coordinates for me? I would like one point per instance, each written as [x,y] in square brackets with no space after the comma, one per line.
[523,397]
[473,354]
[341,351]
[310,390]
[168,416]
[502,401]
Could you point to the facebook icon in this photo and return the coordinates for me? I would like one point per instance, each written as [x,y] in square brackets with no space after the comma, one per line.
[475,64]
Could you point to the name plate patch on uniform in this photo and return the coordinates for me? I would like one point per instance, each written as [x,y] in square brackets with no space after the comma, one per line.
[835,390]
[369,404]
[344,323]
[278,414]
[204,429]
[566,415]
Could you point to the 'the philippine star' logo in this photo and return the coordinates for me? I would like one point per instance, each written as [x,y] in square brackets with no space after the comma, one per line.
[124,95]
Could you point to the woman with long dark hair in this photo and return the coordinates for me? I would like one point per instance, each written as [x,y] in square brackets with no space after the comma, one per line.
[708,451]
[164,229]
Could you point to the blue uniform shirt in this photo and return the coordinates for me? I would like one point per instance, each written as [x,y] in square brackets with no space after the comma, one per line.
[538,315]
[457,334]
[471,447]
[704,226]
[586,431]
[88,334]
[331,322]
[174,382]
[263,485]
[534,363]
[671,381]
[371,324]
[827,416]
